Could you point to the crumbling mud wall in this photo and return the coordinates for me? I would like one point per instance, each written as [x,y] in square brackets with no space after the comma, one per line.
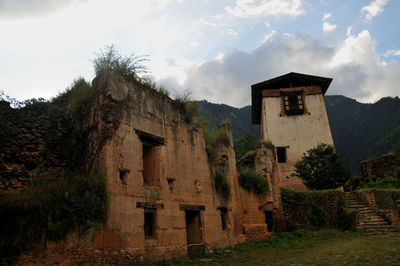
[159,177]
[37,141]
[164,200]
[387,165]
[225,162]
[261,214]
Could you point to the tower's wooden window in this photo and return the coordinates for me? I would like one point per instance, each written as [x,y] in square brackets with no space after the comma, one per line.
[293,103]
[281,153]
[149,223]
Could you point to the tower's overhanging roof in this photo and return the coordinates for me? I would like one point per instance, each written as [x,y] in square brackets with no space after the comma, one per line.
[291,79]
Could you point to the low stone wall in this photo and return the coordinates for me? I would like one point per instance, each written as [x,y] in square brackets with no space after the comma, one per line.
[256,231]
[387,165]
[386,202]
[380,198]
[61,255]
[317,210]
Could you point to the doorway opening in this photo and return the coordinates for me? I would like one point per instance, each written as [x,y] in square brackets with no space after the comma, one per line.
[269,219]
[193,232]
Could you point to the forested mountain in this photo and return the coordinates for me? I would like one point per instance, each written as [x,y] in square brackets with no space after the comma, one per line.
[240,118]
[360,131]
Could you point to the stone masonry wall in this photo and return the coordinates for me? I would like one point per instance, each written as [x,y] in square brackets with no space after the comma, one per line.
[387,165]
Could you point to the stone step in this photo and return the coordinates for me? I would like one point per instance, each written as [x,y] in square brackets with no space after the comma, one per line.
[388,228]
[377,226]
[376,222]
[382,231]
[358,207]
[368,213]
[369,220]
[373,220]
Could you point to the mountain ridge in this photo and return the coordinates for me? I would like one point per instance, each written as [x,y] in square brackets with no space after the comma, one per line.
[360,130]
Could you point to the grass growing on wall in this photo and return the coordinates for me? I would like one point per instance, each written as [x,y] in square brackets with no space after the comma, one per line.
[317,209]
[383,183]
[253,181]
[50,210]
[221,184]
[385,199]
[214,139]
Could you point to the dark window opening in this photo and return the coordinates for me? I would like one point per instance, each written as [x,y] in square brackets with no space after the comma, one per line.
[293,103]
[149,223]
[123,175]
[269,219]
[223,213]
[281,153]
[151,145]
[150,165]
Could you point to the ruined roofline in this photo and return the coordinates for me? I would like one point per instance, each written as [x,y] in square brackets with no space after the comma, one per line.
[291,79]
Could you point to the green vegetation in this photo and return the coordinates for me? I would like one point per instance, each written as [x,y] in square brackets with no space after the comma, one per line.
[128,67]
[214,139]
[325,247]
[321,168]
[363,131]
[382,183]
[385,198]
[147,81]
[247,143]
[49,210]
[221,184]
[317,210]
[254,182]
[186,106]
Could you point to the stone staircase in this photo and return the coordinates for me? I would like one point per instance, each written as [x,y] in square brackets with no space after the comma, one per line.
[369,221]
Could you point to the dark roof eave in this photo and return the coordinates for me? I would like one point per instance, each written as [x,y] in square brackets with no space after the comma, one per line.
[284,81]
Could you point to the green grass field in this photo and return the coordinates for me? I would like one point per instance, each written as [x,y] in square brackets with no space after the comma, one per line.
[326,247]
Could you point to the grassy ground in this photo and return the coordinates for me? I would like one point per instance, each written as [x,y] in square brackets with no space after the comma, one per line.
[326,247]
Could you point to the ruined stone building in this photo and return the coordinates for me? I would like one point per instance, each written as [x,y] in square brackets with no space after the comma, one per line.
[292,114]
[164,200]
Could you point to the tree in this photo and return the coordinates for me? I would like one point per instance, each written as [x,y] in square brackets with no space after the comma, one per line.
[246,143]
[322,168]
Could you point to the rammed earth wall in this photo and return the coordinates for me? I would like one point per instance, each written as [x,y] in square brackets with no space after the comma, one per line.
[163,200]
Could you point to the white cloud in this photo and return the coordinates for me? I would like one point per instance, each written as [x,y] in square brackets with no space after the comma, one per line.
[52,50]
[11,9]
[326,16]
[392,53]
[204,22]
[374,8]
[268,36]
[194,44]
[264,8]
[329,29]
[348,31]
[232,32]
[214,80]
[357,70]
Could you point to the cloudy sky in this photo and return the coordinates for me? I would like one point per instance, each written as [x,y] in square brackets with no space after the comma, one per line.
[215,48]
